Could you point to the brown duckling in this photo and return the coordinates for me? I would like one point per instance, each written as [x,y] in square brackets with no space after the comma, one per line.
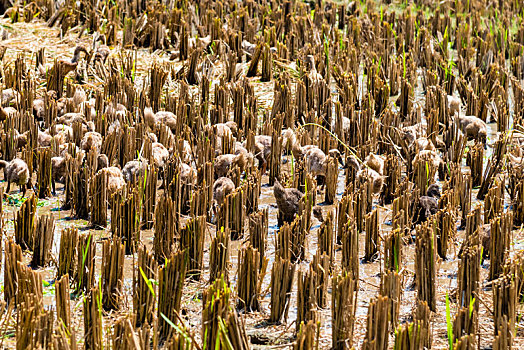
[225,162]
[58,171]
[316,161]
[474,128]
[159,154]
[262,151]
[115,179]
[6,112]
[314,76]
[91,140]
[288,202]
[161,117]
[221,188]
[365,173]
[427,205]
[16,171]
[134,169]
[10,96]
[375,162]
[453,105]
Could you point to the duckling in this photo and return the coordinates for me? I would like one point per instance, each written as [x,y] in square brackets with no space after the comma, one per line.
[115,179]
[430,156]
[116,110]
[427,205]
[102,161]
[188,175]
[423,144]
[375,162]
[91,140]
[10,96]
[64,133]
[77,54]
[262,151]
[453,105]
[16,171]
[79,97]
[225,162]
[58,171]
[159,154]
[474,128]
[102,51]
[288,202]
[221,129]
[44,139]
[21,139]
[221,188]
[70,118]
[316,161]
[313,75]
[411,133]
[249,48]
[289,139]
[365,173]
[161,117]
[6,112]
[186,152]
[317,213]
[39,105]
[134,169]
[248,156]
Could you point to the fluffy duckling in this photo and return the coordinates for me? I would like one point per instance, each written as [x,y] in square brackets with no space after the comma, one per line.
[10,96]
[116,110]
[411,133]
[6,112]
[221,129]
[186,152]
[161,117]
[317,213]
[221,188]
[262,151]
[58,171]
[248,156]
[16,171]
[159,154]
[134,169]
[289,139]
[115,179]
[365,173]
[453,105]
[39,105]
[102,51]
[316,161]
[44,139]
[102,161]
[423,144]
[427,205]
[430,156]
[64,133]
[188,175]
[288,202]
[91,140]
[70,118]
[375,162]
[21,139]
[313,75]
[225,162]
[474,128]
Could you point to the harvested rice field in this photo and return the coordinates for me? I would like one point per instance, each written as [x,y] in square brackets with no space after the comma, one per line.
[261,174]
